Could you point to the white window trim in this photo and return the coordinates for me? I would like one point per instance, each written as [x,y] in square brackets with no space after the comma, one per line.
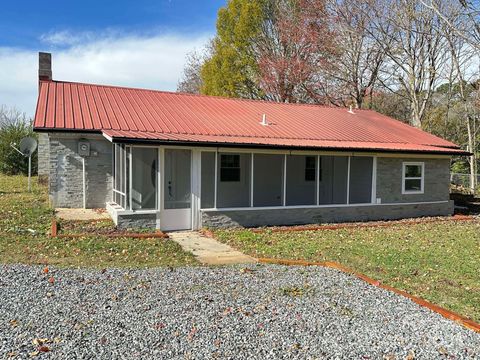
[422,178]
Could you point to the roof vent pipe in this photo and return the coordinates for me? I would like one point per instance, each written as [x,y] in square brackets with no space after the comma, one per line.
[264,120]
[351,110]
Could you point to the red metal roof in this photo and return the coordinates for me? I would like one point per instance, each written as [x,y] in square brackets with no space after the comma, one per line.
[126,113]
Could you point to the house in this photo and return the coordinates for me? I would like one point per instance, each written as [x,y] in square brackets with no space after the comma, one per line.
[180,161]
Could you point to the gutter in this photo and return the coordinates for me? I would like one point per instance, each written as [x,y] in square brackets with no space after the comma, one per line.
[270,147]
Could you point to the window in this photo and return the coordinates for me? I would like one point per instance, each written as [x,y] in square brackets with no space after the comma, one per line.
[230,167]
[310,168]
[413,177]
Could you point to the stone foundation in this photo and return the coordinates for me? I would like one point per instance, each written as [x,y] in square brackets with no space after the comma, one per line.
[302,216]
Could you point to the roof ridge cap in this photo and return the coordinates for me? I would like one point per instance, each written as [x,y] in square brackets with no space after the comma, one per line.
[177,93]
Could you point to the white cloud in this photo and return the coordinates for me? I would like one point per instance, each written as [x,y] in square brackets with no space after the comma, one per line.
[154,62]
[66,38]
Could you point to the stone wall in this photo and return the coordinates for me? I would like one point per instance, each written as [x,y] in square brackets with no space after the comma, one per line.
[298,216]
[136,221]
[389,180]
[394,204]
[65,171]
[43,158]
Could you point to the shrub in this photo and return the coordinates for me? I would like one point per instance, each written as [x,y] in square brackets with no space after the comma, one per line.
[14,126]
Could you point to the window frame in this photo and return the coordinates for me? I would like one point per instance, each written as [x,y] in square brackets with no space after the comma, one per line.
[238,168]
[310,169]
[421,178]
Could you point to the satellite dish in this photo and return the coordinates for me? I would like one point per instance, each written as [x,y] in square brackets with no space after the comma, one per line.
[28,146]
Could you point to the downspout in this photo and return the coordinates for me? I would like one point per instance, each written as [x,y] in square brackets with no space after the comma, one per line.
[84,184]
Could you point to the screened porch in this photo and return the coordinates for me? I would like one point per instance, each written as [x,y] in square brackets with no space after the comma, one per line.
[178,183]
[232,180]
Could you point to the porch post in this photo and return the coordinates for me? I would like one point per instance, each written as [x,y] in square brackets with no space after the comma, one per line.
[284,201]
[130,176]
[159,187]
[317,181]
[196,189]
[251,179]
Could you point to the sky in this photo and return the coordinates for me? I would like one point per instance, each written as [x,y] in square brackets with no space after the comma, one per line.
[141,43]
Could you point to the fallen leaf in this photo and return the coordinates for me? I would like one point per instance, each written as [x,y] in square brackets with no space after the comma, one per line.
[192,333]
[45,270]
[246,270]
[411,355]
[51,280]
[43,349]
[442,350]
[13,323]
[40,341]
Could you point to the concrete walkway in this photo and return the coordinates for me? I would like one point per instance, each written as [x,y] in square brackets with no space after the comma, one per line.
[207,250]
[81,214]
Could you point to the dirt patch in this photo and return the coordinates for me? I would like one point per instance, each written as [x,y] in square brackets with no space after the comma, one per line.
[100,227]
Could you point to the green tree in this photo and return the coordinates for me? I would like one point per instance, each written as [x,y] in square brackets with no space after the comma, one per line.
[232,69]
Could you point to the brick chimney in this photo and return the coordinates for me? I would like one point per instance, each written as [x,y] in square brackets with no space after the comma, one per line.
[44,66]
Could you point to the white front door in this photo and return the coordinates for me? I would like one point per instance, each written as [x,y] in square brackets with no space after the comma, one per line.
[176,213]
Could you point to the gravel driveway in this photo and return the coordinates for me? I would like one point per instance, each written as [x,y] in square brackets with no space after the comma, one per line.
[225,312]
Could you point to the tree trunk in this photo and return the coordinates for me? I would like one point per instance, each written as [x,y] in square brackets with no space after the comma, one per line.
[473,159]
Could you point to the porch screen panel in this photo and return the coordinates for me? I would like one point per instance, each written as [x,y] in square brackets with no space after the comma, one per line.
[208,180]
[144,178]
[333,180]
[268,180]
[127,178]
[361,179]
[233,180]
[120,185]
[177,179]
[301,180]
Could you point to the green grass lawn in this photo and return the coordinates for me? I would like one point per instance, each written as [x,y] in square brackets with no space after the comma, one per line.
[439,262]
[25,220]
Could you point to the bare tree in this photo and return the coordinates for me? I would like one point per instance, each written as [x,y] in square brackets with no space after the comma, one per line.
[468,10]
[356,70]
[191,81]
[415,48]
[11,116]
[294,47]
[461,55]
